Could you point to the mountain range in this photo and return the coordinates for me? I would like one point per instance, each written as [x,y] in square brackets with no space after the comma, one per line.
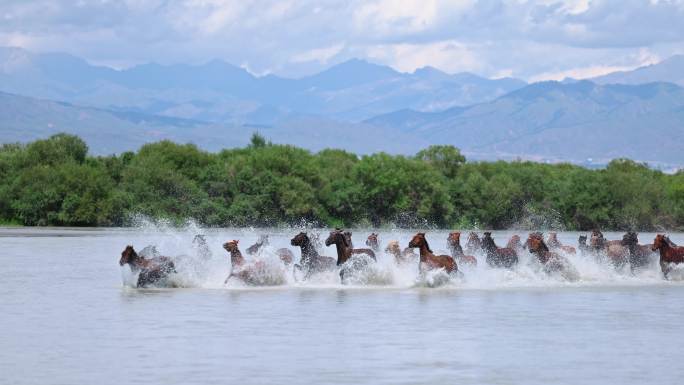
[356,105]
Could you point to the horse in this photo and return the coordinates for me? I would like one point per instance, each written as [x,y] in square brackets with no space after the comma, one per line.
[638,254]
[555,244]
[400,257]
[515,243]
[150,271]
[428,260]
[552,261]
[199,242]
[497,256]
[310,262]
[454,243]
[668,254]
[345,251]
[261,242]
[252,274]
[614,250]
[582,245]
[372,242]
[474,245]
[285,255]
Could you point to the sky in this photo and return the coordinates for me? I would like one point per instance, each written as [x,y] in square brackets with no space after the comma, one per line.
[532,40]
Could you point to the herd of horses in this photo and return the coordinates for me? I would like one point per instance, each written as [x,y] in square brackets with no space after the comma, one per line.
[153,269]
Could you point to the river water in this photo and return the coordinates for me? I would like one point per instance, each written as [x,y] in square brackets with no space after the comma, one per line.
[68,315]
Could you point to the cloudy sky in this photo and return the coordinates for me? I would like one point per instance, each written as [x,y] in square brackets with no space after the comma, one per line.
[544,39]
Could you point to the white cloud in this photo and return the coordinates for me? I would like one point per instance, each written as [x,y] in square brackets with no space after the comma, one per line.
[321,55]
[449,56]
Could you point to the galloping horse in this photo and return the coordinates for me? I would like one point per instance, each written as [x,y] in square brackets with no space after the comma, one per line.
[400,257]
[428,260]
[555,244]
[551,261]
[285,255]
[373,243]
[614,250]
[253,274]
[199,242]
[582,245]
[497,256]
[454,243]
[345,252]
[151,271]
[668,253]
[474,245]
[261,242]
[638,254]
[515,243]
[311,262]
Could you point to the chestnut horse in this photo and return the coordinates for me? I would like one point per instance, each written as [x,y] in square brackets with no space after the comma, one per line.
[498,256]
[310,262]
[638,254]
[286,255]
[614,250]
[555,244]
[373,243]
[252,273]
[345,252]
[515,243]
[400,257]
[474,245]
[428,260]
[454,243]
[150,271]
[668,253]
[551,261]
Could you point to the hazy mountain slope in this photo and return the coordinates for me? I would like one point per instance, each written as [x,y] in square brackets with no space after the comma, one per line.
[670,70]
[562,121]
[223,93]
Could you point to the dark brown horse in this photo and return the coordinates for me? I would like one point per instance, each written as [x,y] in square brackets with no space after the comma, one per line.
[554,244]
[254,273]
[668,253]
[474,245]
[400,256]
[614,250]
[582,245]
[430,261]
[454,243]
[498,256]
[345,252]
[310,262]
[150,271]
[373,243]
[638,254]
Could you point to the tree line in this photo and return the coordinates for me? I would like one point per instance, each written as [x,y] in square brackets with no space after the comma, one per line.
[55,181]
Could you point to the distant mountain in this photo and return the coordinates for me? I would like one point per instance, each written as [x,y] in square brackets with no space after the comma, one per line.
[552,120]
[670,70]
[24,119]
[220,92]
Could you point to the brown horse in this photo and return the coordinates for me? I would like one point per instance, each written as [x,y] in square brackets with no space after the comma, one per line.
[310,262]
[454,243]
[474,245]
[286,255]
[555,244]
[428,260]
[638,254]
[150,271]
[498,256]
[668,253]
[260,243]
[614,250]
[551,261]
[250,273]
[373,243]
[515,243]
[345,252]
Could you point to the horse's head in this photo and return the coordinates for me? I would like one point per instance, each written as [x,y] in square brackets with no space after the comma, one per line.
[553,237]
[128,256]
[487,241]
[418,240]
[582,240]
[454,238]
[393,248]
[597,240]
[372,241]
[336,237]
[535,243]
[630,239]
[199,240]
[659,242]
[300,239]
[231,246]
